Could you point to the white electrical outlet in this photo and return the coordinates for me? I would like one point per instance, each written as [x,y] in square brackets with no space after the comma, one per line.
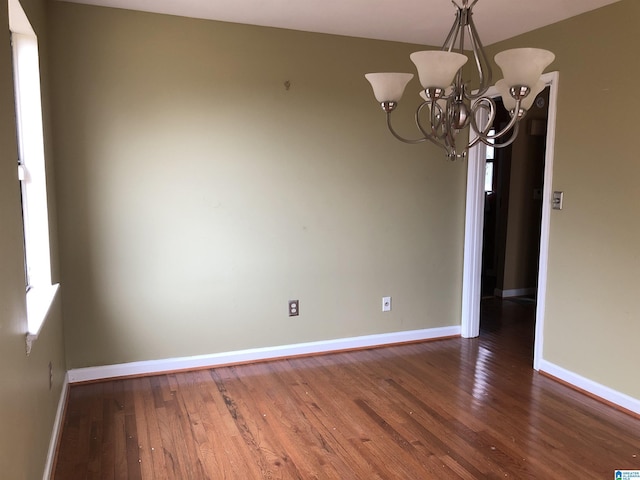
[386,304]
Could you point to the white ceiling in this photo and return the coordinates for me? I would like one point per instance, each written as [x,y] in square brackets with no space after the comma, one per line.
[414,21]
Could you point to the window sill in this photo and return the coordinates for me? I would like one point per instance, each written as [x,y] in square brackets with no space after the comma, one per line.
[39,301]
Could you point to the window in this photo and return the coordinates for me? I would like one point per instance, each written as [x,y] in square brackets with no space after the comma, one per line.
[31,171]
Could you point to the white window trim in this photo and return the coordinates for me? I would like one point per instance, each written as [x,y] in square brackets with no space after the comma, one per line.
[39,301]
[40,292]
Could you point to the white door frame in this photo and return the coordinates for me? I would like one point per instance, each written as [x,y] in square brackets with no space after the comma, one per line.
[474,224]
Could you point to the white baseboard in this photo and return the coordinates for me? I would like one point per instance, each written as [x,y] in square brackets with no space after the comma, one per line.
[625,401]
[514,292]
[57,429]
[255,354]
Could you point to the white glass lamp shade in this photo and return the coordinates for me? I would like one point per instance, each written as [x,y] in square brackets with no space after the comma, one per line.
[523,66]
[388,87]
[436,68]
[510,102]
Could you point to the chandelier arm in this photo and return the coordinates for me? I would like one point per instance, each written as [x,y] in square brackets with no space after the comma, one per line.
[402,139]
[450,141]
[447,136]
[514,136]
[482,104]
[423,130]
[480,139]
[464,18]
[441,124]
[482,63]
[489,105]
[433,136]
[445,139]
[513,122]
[439,143]
[453,33]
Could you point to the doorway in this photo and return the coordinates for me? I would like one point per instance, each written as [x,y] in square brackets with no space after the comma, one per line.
[513,188]
[474,228]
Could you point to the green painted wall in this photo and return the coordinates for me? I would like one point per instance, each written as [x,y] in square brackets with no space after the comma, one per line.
[592,320]
[197,194]
[27,406]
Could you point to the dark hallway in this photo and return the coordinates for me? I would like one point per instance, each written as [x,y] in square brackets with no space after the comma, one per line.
[514,182]
[509,324]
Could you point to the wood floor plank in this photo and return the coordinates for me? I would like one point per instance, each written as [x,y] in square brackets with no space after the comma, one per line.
[248,406]
[333,423]
[228,442]
[107,449]
[120,436]
[152,462]
[458,408]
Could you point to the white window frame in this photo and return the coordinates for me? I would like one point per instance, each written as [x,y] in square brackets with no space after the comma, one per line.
[40,291]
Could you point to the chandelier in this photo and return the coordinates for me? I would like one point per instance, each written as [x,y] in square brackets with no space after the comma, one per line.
[449,105]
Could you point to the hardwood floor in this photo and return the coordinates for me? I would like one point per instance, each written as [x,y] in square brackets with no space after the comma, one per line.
[471,409]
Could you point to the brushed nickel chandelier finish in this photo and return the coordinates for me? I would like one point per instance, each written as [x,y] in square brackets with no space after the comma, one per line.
[449,104]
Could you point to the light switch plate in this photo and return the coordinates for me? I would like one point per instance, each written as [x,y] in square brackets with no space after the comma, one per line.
[558,198]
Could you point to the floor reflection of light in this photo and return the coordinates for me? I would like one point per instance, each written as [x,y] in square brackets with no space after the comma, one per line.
[481,376]
[480,358]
